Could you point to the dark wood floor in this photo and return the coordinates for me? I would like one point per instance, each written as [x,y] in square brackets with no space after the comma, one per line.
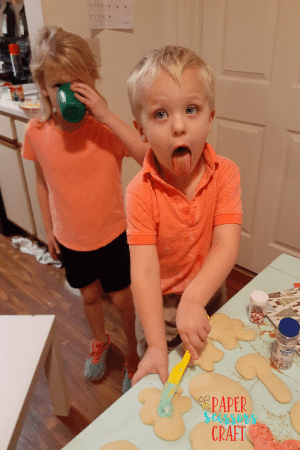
[28,287]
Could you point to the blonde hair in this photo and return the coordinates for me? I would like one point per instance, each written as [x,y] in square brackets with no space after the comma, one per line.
[68,52]
[173,60]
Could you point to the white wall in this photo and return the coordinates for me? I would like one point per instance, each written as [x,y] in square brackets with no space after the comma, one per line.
[34,16]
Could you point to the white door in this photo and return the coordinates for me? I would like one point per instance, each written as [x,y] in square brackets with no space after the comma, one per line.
[253,46]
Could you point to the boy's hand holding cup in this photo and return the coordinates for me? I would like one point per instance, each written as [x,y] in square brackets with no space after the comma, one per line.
[72,109]
[92,100]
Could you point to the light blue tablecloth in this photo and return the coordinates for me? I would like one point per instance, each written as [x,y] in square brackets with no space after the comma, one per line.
[121,420]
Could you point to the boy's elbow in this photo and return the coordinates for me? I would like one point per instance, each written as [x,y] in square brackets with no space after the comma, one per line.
[145,268]
[144,275]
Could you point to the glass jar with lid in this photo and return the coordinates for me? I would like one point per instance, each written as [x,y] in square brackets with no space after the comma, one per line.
[285,344]
[258,306]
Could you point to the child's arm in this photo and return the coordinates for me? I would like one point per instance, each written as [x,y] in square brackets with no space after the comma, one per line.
[191,319]
[145,285]
[99,109]
[43,197]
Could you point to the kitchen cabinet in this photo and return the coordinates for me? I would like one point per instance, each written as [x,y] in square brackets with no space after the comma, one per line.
[29,171]
[13,188]
[6,129]
[17,178]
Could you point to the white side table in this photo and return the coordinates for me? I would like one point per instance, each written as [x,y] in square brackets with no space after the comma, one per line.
[27,343]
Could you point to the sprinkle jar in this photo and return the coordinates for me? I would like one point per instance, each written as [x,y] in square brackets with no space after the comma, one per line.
[285,344]
[258,306]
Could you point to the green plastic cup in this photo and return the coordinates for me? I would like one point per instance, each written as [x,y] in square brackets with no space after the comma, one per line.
[71,108]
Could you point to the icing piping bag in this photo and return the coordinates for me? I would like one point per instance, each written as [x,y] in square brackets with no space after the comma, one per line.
[165,408]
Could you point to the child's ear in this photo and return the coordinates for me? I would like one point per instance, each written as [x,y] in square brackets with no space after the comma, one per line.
[140,130]
[212,115]
[44,90]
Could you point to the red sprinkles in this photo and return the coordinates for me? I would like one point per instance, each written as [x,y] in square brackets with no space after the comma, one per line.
[256,316]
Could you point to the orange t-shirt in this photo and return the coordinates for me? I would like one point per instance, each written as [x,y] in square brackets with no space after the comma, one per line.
[181,229]
[83,174]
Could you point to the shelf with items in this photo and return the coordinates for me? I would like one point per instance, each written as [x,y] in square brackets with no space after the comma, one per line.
[13,19]
[8,20]
[18,37]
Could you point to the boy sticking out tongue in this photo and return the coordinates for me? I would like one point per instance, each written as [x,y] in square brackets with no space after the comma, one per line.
[181,161]
[183,209]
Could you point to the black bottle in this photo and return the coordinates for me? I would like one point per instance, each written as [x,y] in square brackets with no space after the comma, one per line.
[23,28]
[8,21]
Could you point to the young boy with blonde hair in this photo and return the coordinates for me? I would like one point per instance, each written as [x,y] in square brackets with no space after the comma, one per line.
[78,178]
[184,210]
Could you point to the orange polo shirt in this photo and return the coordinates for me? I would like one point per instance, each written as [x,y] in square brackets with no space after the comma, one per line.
[182,229]
[83,174]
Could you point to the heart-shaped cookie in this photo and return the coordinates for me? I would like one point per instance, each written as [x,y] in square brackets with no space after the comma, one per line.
[262,438]
[295,416]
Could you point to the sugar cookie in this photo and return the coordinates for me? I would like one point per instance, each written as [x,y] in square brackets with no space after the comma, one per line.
[254,365]
[202,435]
[119,445]
[229,331]
[167,428]
[262,438]
[208,357]
[219,393]
[295,416]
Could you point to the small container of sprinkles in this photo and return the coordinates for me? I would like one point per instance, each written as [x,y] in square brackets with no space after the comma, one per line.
[285,344]
[258,306]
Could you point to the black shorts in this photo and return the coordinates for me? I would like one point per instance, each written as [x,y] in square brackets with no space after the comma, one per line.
[110,264]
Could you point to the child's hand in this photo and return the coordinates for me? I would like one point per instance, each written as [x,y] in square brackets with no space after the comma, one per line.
[192,324]
[53,246]
[154,361]
[96,104]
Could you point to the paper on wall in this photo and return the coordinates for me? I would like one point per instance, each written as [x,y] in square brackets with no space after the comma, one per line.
[111,14]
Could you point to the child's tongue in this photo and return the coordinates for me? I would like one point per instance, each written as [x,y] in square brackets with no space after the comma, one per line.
[181,159]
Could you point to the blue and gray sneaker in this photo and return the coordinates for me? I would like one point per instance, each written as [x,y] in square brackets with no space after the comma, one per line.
[126,384]
[96,362]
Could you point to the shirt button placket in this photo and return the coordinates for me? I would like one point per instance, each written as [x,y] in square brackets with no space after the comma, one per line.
[192,216]
[185,214]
